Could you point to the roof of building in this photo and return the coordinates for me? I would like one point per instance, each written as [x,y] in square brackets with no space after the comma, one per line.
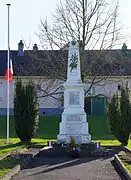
[51,63]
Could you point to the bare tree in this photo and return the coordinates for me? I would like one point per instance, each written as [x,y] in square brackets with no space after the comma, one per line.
[94,24]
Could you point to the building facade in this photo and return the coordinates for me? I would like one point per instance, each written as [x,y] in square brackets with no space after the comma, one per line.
[35,65]
[95,102]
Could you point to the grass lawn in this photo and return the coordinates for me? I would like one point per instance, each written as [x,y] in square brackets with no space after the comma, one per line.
[127,166]
[48,130]
[7,148]
[7,164]
[49,127]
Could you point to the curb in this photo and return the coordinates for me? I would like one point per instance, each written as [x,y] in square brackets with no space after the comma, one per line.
[17,168]
[9,154]
[127,149]
[122,167]
[11,173]
[4,157]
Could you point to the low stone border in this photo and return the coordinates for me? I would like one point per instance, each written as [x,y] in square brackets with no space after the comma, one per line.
[122,167]
[127,149]
[18,167]
[11,173]
[10,153]
[4,157]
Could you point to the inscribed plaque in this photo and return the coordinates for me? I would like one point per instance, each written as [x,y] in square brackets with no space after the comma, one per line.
[74,98]
[73,118]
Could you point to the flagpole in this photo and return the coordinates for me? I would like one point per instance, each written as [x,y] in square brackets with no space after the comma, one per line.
[7,131]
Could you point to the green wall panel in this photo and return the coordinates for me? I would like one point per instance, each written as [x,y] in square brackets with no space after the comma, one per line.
[98,106]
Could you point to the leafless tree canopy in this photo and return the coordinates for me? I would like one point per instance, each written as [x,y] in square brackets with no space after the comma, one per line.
[93,23]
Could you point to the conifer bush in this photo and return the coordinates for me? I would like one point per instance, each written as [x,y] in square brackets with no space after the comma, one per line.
[119,115]
[26,110]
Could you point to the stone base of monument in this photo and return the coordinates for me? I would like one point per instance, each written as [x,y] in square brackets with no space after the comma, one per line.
[79,138]
[64,150]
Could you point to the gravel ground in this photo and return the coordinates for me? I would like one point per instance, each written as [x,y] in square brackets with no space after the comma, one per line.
[42,168]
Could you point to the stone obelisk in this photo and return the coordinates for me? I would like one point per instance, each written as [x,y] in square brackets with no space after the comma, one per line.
[74,121]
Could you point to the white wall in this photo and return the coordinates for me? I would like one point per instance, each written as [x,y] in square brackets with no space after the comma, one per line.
[106,86]
[43,102]
[109,86]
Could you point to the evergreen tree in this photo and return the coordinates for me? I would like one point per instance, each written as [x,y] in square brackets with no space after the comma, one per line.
[32,116]
[19,109]
[119,115]
[113,114]
[25,110]
[125,109]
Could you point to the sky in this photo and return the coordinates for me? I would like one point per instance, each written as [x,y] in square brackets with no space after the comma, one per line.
[25,20]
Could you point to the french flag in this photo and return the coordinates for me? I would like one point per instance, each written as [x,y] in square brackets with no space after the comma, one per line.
[98,144]
[50,143]
[9,69]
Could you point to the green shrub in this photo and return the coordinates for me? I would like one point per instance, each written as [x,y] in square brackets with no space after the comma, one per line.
[125,109]
[25,110]
[113,114]
[119,115]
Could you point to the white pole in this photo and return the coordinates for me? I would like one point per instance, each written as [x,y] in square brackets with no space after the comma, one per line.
[7,138]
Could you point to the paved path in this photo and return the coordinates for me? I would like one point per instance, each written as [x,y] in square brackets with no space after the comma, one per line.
[69,169]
